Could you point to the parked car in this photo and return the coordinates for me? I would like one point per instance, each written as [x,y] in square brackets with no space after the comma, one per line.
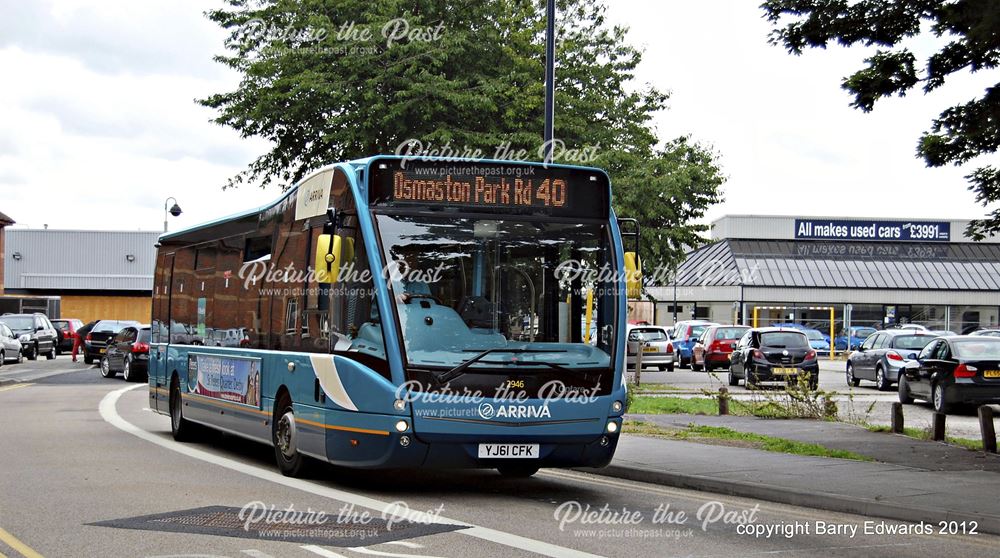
[987,332]
[851,339]
[818,335]
[715,345]
[95,343]
[883,355]
[657,349]
[917,327]
[128,353]
[35,332]
[66,329]
[686,334]
[10,347]
[770,354]
[943,332]
[954,370]
[818,341]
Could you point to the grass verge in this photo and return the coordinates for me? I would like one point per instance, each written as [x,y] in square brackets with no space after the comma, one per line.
[646,405]
[925,434]
[730,437]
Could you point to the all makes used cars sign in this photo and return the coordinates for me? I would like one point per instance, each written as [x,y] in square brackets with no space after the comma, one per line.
[906,231]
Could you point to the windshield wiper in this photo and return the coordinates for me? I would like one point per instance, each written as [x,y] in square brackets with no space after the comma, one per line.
[461,368]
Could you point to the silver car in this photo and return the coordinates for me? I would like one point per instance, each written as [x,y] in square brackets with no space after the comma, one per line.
[656,346]
[10,347]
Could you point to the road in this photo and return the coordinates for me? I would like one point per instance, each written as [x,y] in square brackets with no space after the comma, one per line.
[863,404]
[80,450]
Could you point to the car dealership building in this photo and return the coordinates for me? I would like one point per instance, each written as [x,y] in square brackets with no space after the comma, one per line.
[877,272]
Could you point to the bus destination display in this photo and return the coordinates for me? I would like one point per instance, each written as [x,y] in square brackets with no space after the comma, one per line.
[496,188]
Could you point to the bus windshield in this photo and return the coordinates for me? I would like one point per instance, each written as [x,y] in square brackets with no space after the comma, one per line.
[464,285]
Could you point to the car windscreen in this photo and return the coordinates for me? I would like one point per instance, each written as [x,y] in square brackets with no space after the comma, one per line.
[696,331]
[786,339]
[651,334]
[863,332]
[18,322]
[814,335]
[912,342]
[108,326]
[977,349]
[728,333]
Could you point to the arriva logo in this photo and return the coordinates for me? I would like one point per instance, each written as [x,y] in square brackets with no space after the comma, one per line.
[489,411]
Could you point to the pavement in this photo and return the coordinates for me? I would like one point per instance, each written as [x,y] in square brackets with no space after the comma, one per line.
[910,480]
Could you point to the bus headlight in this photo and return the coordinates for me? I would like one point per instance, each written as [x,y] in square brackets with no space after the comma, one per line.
[612,427]
[617,407]
[399,405]
[401,426]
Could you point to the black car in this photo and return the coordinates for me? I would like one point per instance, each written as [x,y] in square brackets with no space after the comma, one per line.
[37,335]
[950,371]
[94,344]
[128,352]
[770,354]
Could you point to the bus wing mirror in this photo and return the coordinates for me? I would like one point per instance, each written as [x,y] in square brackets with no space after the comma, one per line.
[633,275]
[328,257]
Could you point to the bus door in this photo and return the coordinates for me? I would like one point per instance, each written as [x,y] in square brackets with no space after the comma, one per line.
[158,356]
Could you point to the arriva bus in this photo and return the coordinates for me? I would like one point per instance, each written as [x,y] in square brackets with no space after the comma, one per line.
[390,313]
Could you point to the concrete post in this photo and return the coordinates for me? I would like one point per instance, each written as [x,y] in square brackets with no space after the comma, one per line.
[937,427]
[897,418]
[723,401]
[988,430]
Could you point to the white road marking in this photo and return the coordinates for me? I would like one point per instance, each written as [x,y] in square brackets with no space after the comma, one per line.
[256,553]
[407,544]
[321,551]
[370,552]
[109,413]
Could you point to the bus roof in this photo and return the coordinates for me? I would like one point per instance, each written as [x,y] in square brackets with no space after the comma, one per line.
[357,164]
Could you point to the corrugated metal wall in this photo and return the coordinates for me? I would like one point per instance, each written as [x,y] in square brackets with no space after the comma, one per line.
[70,259]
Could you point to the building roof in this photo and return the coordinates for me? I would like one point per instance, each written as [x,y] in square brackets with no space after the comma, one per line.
[60,260]
[862,265]
[5,220]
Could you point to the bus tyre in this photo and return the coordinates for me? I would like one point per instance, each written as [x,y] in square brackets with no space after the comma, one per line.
[291,463]
[180,427]
[106,368]
[517,471]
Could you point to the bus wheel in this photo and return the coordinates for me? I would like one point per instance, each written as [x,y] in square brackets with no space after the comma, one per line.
[291,463]
[180,427]
[517,471]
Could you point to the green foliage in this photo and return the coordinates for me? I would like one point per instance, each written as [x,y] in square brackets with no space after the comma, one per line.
[321,82]
[960,133]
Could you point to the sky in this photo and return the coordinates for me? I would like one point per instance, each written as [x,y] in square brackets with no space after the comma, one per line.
[98,124]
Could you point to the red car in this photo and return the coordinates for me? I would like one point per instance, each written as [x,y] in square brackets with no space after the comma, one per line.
[715,345]
[66,328]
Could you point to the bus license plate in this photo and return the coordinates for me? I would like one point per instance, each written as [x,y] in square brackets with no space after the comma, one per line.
[991,374]
[508,451]
[785,371]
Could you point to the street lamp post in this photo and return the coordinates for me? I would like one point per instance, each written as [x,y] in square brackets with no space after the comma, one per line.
[175,211]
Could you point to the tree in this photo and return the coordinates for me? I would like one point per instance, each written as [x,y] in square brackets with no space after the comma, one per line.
[972,29]
[329,80]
